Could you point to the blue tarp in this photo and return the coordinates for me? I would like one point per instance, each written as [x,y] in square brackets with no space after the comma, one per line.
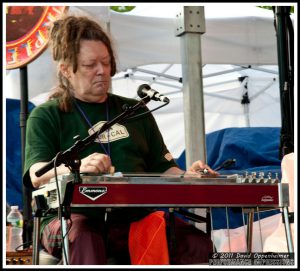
[255,149]
[13,152]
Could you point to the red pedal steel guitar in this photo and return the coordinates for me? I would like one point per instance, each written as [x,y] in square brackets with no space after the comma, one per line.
[150,190]
[165,191]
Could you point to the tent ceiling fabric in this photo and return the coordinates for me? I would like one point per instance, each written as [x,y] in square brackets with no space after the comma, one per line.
[233,40]
[146,40]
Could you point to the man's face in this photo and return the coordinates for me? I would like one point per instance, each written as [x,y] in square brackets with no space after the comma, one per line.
[92,79]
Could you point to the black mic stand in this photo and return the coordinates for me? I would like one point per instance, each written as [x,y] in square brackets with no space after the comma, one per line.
[71,160]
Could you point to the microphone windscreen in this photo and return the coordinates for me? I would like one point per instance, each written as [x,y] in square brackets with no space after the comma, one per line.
[140,91]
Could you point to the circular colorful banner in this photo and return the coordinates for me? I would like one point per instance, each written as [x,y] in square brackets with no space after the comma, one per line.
[27,32]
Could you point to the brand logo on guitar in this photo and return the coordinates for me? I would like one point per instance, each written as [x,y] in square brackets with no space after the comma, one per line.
[93,192]
[267,198]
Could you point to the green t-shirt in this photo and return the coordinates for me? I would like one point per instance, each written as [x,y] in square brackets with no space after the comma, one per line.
[135,145]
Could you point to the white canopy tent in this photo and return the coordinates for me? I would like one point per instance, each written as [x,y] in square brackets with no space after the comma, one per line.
[145,44]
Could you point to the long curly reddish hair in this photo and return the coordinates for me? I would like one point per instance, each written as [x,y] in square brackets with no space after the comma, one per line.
[64,37]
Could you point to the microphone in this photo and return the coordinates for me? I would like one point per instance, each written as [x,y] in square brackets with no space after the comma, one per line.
[145,90]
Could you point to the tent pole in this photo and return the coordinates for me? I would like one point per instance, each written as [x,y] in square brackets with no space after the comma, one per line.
[27,227]
[190,26]
[285,40]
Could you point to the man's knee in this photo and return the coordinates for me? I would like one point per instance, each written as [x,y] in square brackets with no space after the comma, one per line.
[192,246]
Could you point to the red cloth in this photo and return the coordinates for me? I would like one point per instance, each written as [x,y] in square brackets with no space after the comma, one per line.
[148,240]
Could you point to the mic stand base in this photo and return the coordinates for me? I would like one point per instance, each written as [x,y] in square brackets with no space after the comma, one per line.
[65,241]
[74,164]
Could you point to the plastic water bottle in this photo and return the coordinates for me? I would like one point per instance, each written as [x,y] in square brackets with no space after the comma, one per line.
[15,228]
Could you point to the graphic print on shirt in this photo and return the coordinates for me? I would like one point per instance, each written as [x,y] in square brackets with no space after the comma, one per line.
[116,132]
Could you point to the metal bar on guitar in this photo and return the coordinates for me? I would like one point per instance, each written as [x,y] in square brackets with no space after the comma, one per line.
[36,243]
[65,241]
[260,229]
[250,230]
[228,231]
[288,230]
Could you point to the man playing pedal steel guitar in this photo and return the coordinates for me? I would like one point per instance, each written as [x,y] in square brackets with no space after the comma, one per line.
[80,105]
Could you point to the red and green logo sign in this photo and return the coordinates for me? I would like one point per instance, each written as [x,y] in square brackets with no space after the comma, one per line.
[27,32]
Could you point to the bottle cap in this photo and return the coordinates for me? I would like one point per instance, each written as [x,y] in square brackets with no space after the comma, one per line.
[14,207]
